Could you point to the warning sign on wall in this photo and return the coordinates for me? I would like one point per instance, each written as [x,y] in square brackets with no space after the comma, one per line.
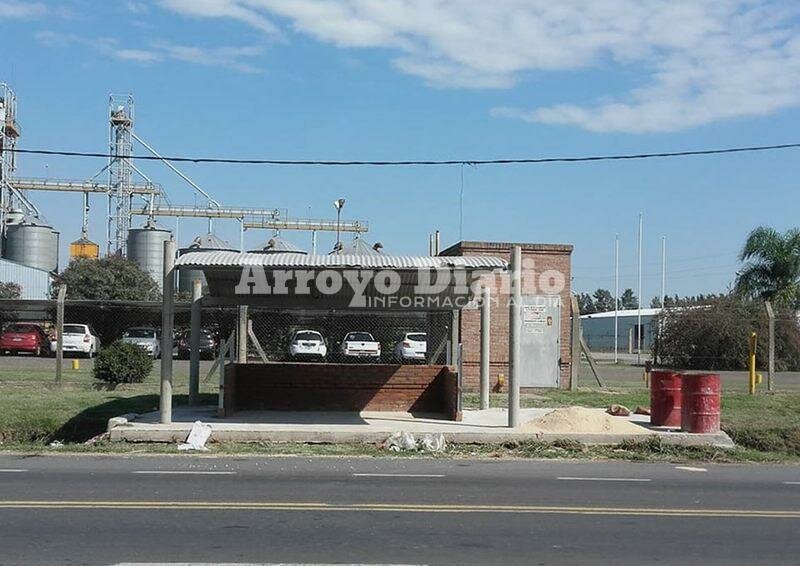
[534,314]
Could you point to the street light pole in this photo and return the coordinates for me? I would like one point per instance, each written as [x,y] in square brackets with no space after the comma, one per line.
[338,204]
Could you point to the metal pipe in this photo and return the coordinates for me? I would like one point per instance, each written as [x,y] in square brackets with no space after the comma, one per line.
[485,344]
[437,243]
[616,299]
[663,270]
[194,342]
[313,242]
[175,169]
[167,324]
[514,329]
[639,301]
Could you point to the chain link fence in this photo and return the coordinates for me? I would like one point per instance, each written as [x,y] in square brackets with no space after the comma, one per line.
[272,329]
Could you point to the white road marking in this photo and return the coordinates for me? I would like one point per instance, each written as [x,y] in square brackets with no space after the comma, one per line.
[398,475]
[238,564]
[791,483]
[690,469]
[12,471]
[568,478]
[184,472]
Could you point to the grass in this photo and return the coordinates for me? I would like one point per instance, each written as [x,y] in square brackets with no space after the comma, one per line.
[34,412]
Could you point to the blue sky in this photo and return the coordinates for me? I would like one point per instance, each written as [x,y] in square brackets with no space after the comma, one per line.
[404,79]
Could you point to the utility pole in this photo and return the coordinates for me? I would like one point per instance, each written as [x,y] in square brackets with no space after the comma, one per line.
[616,299]
[639,301]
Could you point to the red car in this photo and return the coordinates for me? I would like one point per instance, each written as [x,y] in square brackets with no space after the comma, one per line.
[23,337]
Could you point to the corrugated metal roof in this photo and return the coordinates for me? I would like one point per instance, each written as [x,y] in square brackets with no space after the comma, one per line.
[294,260]
[624,313]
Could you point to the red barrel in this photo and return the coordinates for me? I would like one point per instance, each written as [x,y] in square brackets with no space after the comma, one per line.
[700,405]
[665,398]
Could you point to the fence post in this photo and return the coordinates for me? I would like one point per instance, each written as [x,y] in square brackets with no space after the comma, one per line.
[575,349]
[514,327]
[241,335]
[167,323]
[62,293]
[485,345]
[771,353]
[194,342]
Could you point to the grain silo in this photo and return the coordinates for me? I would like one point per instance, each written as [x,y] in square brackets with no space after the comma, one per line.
[33,243]
[205,243]
[146,249]
[275,245]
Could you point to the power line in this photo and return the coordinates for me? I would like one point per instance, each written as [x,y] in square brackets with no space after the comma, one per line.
[522,161]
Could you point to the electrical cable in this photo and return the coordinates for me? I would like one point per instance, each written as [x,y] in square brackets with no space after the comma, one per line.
[510,161]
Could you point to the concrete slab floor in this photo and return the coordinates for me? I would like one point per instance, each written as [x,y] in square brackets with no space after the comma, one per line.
[477,427]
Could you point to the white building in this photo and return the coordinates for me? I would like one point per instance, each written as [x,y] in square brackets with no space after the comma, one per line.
[598,330]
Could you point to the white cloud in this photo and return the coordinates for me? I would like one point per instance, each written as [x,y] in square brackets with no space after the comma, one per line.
[138,55]
[222,9]
[231,57]
[21,10]
[696,61]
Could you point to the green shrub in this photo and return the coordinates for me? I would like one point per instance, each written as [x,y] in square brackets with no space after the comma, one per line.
[122,363]
[715,336]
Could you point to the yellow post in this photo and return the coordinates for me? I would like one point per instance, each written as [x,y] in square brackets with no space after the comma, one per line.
[751,363]
[76,365]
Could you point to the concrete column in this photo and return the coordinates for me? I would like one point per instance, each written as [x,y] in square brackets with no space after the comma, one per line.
[514,328]
[194,342]
[167,324]
[241,333]
[485,341]
[62,293]
[454,338]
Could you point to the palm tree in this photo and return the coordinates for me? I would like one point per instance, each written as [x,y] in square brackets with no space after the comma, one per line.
[772,266]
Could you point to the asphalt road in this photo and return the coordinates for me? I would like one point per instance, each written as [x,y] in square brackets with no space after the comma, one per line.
[110,510]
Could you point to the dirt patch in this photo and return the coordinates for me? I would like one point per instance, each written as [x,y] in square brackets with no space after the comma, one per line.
[582,420]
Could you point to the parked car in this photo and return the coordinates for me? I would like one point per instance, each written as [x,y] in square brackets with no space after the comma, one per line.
[360,345]
[412,348]
[24,337]
[307,344]
[78,338]
[207,344]
[146,337]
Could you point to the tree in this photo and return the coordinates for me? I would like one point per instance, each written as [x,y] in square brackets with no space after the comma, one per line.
[716,336]
[10,290]
[603,300]
[109,279]
[586,303]
[771,270]
[628,300]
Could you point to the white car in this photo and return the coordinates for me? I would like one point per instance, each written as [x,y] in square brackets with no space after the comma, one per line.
[308,344]
[146,337]
[412,348]
[360,345]
[78,338]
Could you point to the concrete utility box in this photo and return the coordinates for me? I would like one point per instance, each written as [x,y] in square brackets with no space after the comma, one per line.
[540,341]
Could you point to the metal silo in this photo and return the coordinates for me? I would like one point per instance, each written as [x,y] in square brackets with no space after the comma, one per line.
[207,242]
[275,245]
[146,249]
[33,243]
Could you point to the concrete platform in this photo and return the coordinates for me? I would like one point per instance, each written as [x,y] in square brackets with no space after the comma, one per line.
[321,427]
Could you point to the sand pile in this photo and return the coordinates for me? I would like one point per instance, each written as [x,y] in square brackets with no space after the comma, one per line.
[583,420]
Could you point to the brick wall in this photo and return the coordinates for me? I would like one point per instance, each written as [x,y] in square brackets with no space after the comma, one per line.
[544,257]
[341,387]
